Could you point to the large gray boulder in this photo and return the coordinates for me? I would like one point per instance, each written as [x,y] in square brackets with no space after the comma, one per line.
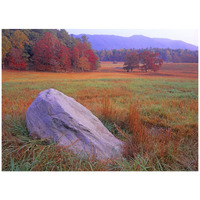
[61,119]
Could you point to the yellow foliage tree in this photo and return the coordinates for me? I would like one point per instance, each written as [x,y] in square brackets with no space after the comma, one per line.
[19,39]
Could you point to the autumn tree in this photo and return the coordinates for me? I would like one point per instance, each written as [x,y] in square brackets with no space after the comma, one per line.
[110,54]
[19,39]
[82,48]
[64,58]
[15,59]
[81,51]
[50,55]
[144,61]
[6,45]
[74,58]
[43,53]
[92,58]
[25,39]
[168,55]
[176,58]
[188,58]
[131,61]
[150,61]
[13,49]
[66,39]
[6,32]
[84,40]
[103,55]
[83,64]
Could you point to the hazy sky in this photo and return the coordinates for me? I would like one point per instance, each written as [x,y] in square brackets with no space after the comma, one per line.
[186,35]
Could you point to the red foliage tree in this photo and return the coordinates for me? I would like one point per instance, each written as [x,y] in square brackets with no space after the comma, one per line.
[150,61]
[82,49]
[15,59]
[64,58]
[75,58]
[92,58]
[50,55]
[131,61]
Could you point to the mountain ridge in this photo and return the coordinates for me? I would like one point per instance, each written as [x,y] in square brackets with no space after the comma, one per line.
[108,42]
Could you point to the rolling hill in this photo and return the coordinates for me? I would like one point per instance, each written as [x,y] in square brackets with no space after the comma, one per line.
[108,42]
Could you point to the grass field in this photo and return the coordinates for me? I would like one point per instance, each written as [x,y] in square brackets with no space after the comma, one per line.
[156,114]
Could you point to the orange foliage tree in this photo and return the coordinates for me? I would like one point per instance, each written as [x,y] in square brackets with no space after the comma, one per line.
[83,64]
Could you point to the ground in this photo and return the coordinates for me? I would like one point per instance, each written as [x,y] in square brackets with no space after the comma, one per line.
[156,114]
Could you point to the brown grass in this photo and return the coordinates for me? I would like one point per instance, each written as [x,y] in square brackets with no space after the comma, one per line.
[108,71]
[157,138]
[163,145]
[168,70]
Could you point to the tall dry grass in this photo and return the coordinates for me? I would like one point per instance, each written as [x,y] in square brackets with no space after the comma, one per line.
[162,146]
[160,132]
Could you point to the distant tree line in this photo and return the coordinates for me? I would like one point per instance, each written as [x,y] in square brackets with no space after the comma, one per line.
[168,55]
[46,50]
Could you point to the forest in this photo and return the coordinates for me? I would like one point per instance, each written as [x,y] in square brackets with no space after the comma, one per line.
[46,50]
[168,55]
[57,51]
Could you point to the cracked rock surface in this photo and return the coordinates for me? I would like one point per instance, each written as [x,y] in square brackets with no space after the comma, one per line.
[61,119]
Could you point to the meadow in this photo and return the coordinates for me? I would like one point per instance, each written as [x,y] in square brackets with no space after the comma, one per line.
[156,114]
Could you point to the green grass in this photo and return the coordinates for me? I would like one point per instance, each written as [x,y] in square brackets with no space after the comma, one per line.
[168,103]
